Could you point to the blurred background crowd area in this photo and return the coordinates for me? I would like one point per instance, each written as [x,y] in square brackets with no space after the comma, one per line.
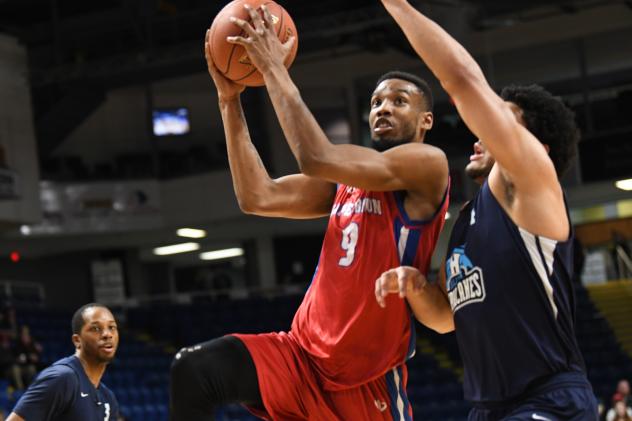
[112,148]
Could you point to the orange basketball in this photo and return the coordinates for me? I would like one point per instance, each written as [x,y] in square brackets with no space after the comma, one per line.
[231,59]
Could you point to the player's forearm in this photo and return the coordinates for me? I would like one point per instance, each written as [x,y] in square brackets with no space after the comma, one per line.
[251,180]
[447,59]
[306,139]
[432,309]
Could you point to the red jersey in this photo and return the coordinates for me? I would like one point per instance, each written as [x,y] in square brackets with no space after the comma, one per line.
[350,338]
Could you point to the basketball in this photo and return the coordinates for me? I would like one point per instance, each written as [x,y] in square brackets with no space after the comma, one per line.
[231,59]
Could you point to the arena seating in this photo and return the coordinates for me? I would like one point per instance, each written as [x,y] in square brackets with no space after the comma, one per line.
[139,376]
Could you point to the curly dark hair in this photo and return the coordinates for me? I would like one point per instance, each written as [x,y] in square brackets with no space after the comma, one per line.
[421,84]
[549,120]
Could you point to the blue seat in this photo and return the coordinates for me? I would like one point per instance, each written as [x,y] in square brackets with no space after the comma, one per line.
[137,412]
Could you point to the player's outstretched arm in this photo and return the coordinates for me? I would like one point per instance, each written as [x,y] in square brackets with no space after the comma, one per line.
[428,302]
[416,167]
[523,160]
[14,417]
[293,196]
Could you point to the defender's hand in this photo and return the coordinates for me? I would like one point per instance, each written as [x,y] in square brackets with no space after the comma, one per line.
[404,280]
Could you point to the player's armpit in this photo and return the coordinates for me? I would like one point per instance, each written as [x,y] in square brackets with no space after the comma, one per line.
[15,417]
[414,167]
[523,166]
[294,196]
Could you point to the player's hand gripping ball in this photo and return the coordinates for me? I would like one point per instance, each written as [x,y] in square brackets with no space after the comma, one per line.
[231,59]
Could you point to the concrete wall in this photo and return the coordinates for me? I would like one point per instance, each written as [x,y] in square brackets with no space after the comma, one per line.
[17,138]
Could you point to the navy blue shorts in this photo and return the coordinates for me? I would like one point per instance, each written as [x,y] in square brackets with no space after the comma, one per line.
[563,397]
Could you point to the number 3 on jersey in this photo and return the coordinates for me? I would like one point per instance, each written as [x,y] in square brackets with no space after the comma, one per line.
[348,244]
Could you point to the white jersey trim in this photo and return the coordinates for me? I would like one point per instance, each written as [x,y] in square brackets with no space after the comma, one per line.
[403,240]
[543,268]
[400,401]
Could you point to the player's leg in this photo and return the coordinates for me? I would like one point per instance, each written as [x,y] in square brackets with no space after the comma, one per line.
[211,374]
[290,389]
[561,404]
[484,414]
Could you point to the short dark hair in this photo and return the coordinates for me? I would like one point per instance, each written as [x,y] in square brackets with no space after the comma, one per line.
[77,319]
[548,119]
[421,84]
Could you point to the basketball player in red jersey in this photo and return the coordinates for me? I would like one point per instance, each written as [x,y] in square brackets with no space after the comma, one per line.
[344,357]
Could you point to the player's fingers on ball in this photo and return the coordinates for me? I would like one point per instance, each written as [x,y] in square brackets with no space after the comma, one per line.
[211,68]
[255,17]
[207,51]
[267,17]
[239,40]
[290,43]
[248,29]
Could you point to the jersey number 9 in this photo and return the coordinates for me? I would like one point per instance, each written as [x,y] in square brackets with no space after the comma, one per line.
[348,244]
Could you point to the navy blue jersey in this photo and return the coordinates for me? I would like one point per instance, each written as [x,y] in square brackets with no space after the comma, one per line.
[63,392]
[513,302]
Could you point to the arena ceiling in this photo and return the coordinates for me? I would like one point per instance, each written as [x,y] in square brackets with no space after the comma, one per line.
[79,49]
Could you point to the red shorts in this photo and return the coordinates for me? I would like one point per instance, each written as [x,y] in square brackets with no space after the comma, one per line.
[291,391]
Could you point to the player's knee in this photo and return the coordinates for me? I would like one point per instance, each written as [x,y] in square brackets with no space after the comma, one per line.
[183,367]
[189,398]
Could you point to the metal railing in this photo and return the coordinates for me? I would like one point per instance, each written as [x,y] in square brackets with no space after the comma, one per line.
[624,263]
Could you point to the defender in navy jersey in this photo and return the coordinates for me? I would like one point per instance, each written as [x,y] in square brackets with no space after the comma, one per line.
[507,287]
[71,389]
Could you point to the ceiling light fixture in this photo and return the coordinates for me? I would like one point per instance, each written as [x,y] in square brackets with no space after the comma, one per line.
[222,254]
[624,184]
[191,233]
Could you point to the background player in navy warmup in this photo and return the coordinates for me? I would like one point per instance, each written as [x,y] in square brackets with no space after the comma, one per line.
[71,389]
[509,262]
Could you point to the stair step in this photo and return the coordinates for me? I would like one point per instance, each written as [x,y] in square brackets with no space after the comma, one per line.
[613,301]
